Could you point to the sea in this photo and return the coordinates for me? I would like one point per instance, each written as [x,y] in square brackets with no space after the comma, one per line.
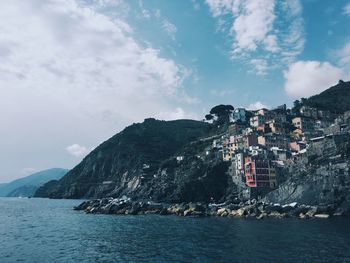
[44,230]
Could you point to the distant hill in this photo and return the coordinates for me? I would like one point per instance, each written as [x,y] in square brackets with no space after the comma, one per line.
[115,166]
[28,185]
[336,99]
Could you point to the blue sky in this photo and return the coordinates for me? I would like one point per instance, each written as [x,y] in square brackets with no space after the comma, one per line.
[205,47]
[75,72]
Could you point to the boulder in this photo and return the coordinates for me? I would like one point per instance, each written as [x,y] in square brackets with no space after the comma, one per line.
[221,211]
[303,216]
[323,216]
[274,208]
[226,213]
[312,211]
[339,212]
[323,209]
[164,212]
[133,208]
[177,209]
[197,207]
[82,206]
[276,214]
[241,212]
[261,207]
[289,207]
[191,212]
[104,201]
[299,210]
[261,216]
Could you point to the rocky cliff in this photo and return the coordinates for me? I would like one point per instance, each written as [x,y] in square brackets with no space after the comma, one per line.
[319,177]
[141,161]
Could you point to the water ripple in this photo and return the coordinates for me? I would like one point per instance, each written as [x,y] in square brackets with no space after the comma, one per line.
[40,230]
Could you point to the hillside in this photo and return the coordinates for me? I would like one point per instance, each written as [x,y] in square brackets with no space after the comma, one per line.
[176,161]
[28,185]
[127,160]
[322,176]
[335,99]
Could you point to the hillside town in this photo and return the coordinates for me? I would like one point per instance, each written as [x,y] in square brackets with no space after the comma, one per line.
[259,144]
[280,162]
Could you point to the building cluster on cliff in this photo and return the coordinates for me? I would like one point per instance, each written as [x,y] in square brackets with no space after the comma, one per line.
[259,144]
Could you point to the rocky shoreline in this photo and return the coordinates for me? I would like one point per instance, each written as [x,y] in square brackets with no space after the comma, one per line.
[249,209]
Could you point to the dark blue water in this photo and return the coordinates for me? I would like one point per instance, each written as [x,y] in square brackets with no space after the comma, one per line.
[40,230]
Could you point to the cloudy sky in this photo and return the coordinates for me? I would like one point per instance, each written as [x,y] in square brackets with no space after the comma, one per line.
[75,72]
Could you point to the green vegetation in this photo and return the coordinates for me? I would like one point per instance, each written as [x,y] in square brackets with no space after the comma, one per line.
[124,155]
[335,99]
[222,113]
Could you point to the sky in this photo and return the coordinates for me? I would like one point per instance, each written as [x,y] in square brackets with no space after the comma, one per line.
[75,72]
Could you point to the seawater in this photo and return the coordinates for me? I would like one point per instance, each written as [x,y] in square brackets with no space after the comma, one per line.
[43,230]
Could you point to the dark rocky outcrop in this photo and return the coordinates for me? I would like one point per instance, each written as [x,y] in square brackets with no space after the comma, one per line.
[251,209]
[320,177]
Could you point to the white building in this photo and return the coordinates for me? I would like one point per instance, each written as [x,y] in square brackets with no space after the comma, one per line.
[239,115]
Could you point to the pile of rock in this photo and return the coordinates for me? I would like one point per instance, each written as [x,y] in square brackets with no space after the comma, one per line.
[249,209]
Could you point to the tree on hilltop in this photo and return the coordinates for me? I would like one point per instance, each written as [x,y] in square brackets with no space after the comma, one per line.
[222,112]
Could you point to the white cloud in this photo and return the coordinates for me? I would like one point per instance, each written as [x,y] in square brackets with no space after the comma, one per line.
[260,66]
[347,9]
[70,52]
[253,24]
[306,78]
[257,106]
[265,30]
[222,92]
[178,113]
[270,43]
[77,150]
[220,7]
[343,55]
[169,28]
[146,14]
[196,5]
[157,13]
[66,66]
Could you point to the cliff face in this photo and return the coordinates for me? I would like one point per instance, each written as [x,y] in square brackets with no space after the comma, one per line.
[321,176]
[129,163]
[200,176]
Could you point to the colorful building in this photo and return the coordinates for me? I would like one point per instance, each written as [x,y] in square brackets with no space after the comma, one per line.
[260,173]
[273,140]
[304,123]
